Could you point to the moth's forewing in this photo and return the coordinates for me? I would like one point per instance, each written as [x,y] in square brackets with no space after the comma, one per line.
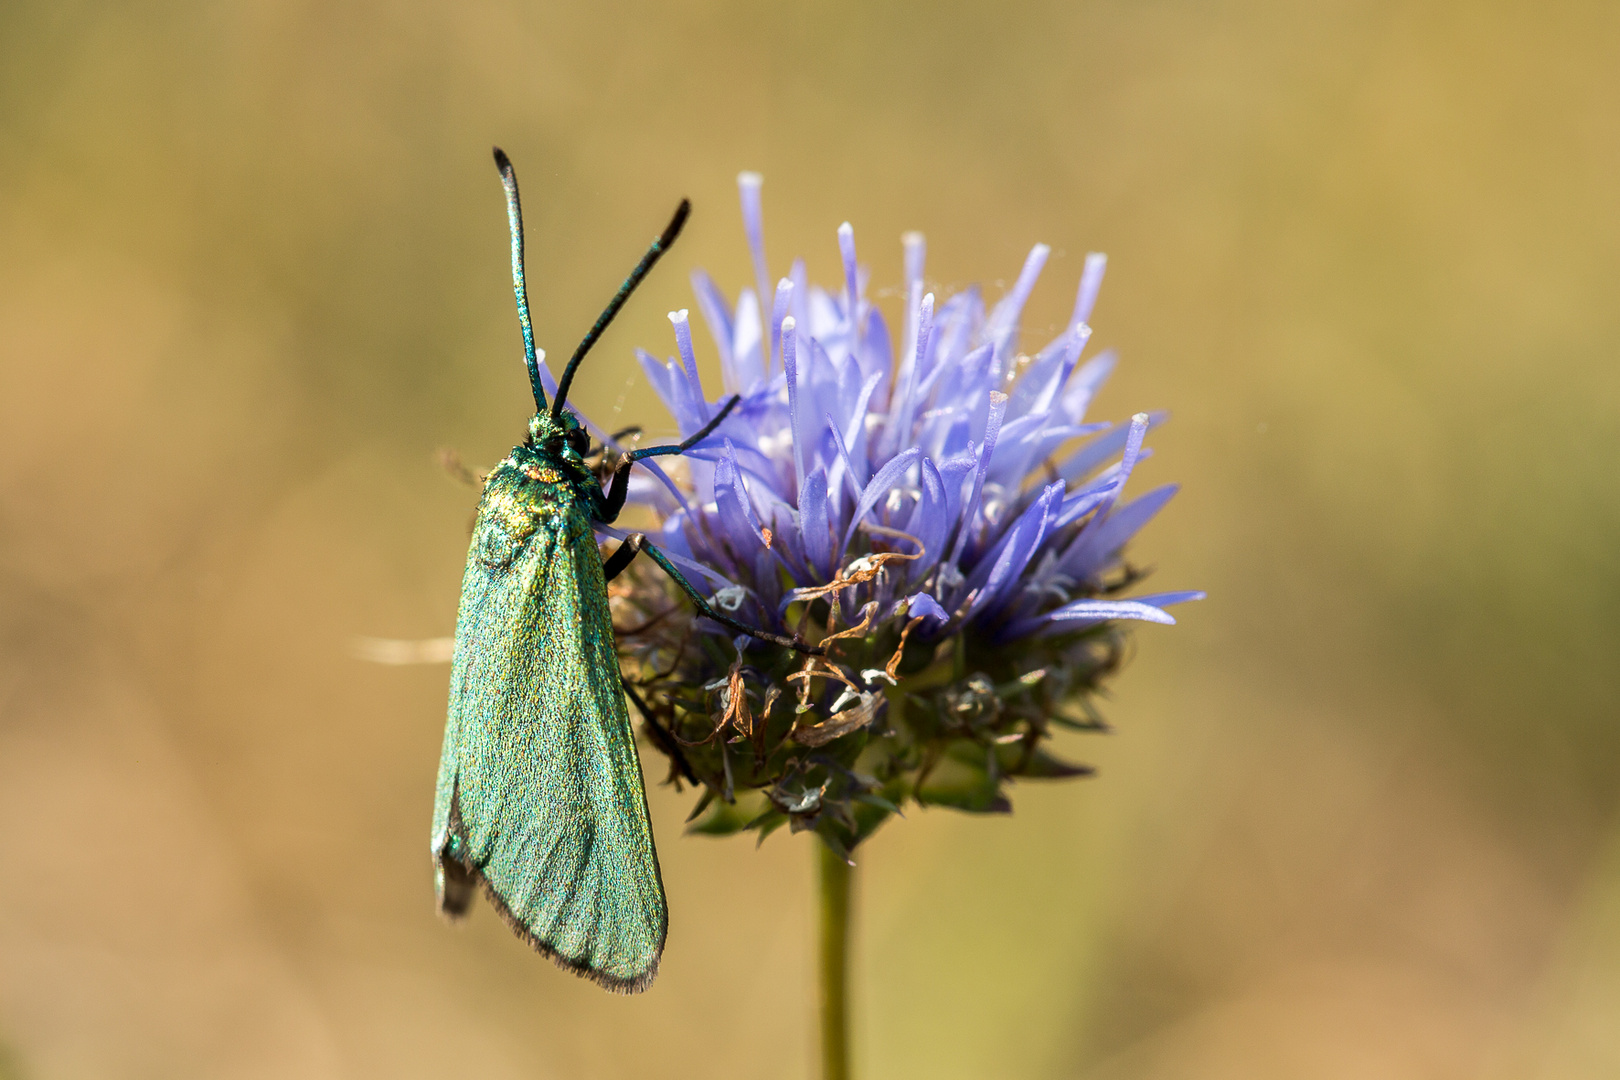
[540,794]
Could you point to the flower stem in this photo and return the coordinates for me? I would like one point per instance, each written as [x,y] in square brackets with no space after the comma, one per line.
[834,874]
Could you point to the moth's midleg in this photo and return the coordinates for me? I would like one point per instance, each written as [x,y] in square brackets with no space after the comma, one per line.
[637,543]
[622,556]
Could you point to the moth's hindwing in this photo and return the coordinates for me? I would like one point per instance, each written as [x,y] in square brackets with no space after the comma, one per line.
[540,795]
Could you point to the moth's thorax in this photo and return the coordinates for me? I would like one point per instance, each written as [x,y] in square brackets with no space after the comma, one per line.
[531,490]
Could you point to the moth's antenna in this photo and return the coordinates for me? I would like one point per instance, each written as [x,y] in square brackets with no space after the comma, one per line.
[654,253]
[514,218]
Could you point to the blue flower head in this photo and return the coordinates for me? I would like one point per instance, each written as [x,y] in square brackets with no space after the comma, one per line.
[932,505]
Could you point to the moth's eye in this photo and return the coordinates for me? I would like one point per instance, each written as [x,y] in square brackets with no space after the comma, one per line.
[580,441]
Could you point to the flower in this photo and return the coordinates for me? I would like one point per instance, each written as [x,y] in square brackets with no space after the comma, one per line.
[937,511]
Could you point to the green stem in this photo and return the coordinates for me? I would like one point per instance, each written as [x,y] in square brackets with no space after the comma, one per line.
[834,874]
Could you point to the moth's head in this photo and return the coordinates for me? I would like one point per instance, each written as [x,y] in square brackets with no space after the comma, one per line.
[562,437]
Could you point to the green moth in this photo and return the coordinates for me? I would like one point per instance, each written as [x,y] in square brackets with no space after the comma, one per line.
[540,799]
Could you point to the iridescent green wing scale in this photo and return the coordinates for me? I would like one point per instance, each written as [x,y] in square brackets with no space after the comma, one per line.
[540,797]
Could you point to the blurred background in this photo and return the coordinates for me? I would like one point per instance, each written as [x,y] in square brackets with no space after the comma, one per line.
[1360,814]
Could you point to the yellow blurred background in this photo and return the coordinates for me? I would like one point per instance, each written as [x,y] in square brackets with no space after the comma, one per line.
[1360,815]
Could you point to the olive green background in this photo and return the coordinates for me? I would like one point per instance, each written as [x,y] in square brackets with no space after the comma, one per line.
[1360,815]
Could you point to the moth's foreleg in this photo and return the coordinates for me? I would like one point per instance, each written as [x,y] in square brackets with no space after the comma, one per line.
[607,509]
[637,543]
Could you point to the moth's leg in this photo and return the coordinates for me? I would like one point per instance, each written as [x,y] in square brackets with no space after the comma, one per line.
[661,735]
[606,509]
[622,433]
[627,550]
[703,606]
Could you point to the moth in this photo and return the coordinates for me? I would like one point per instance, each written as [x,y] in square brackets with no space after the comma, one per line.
[540,799]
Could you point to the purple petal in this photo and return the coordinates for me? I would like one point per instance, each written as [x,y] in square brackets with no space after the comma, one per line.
[928,522]
[747,348]
[658,471]
[748,185]
[814,529]
[857,424]
[1165,599]
[998,405]
[1085,460]
[779,311]
[924,606]
[683,343]
[852,287]
[1041,382]
[952,471]
[1078,394]
[916,248]
[845,458]
[886,478]
[876,354]
[1012,555]
[706,573]
[1126,521]
[658,377]
[1090,281]
[733,508]
[901,424]
[1002,326]
[791,365]
[1094,611]
[716,314]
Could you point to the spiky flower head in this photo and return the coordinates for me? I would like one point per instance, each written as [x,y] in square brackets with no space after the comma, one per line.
[932,506]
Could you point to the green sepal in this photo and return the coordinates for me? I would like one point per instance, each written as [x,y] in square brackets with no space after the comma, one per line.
[727,819]
[1017,760]
[962,781]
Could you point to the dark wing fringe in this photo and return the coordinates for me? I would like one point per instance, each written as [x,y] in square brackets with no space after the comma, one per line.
[570,964]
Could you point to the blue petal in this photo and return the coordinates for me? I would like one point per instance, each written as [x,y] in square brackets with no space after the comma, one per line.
[1084,386]
[998,405]
[952,471]
[716,314]
[1006,562]
[814,530]
[747,348]
[1098,610]
[663,477]
[683,344]
[916,248]
[733,507]
[1046,374]
[886,478]
[1001,328]
[780,307]
[1165,599]
[924,606]
[748,185]
[1086,459]
[1127,520]
[791,365]
[1090,282]
[705,573]
[658,378]
[877,354]
[846,464]
[852,285]
[928,522]
[900,422]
